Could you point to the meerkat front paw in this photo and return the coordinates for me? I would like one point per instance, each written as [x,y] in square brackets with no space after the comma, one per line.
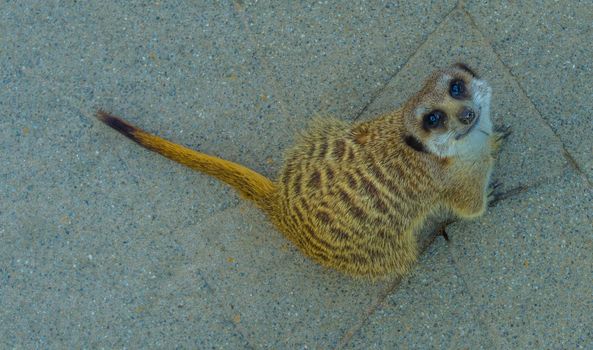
[500,134]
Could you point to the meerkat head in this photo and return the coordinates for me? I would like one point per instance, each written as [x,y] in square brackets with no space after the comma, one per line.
[451,114]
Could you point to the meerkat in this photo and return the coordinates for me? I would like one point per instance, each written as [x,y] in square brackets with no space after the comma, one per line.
[352,196]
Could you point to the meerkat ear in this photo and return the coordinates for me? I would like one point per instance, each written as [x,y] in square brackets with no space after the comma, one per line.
[415,143]
[466,68]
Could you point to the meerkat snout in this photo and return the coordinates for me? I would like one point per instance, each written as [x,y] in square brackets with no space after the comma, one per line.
[466,116]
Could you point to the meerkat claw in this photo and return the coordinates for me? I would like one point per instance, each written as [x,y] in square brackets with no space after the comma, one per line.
[442,229]
[493,194]
[443,232]
[503,131]
[495,185]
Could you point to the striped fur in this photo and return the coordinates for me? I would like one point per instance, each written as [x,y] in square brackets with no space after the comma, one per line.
[361,213]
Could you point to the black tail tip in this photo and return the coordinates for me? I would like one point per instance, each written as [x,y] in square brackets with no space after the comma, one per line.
[117,123]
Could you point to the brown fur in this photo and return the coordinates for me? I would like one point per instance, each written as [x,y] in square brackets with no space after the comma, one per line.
[351,197]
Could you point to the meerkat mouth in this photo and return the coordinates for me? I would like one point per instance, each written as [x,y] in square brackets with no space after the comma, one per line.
[472,127]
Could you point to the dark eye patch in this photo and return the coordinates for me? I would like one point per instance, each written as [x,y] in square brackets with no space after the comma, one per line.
[433,119]
[457,89]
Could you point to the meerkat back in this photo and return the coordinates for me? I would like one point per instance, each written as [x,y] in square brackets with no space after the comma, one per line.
[341,205]
[352,196]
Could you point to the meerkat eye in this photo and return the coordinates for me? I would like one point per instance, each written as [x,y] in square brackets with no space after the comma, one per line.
[433,120]
[457,89]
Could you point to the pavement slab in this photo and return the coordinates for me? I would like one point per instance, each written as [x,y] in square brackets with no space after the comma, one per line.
[546,46]
[81,249]
[183,71]
[329,58]
[106,245]
[430,308]
[529,269]
[503,281]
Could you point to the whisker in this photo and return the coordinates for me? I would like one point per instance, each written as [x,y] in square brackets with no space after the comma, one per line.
[484,132]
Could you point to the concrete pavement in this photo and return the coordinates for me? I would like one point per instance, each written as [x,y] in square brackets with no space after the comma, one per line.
[106,245]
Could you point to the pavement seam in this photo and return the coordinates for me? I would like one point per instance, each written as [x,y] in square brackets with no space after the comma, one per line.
[494,334]
[349,334]
[565,153]
[380,90]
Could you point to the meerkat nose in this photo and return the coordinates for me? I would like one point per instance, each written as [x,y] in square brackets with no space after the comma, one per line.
[467,116]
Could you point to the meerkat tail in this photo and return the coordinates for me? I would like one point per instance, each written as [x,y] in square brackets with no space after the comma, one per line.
[250,184]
